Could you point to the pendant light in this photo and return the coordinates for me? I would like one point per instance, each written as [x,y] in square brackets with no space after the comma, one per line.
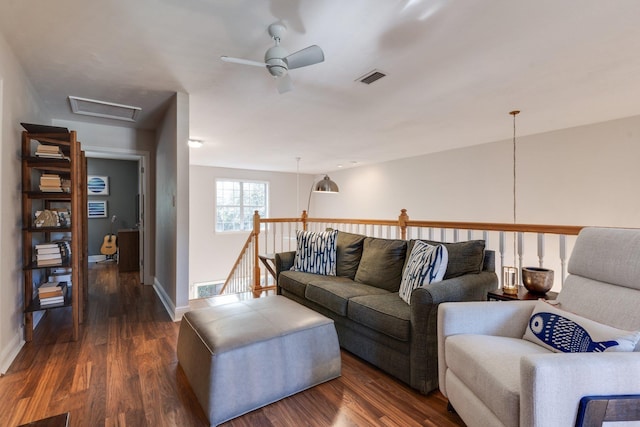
[510,274]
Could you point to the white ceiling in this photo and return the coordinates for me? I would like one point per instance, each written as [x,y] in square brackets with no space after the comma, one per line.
[455,69]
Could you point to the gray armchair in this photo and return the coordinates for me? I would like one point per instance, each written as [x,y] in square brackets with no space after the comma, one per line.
[494,377]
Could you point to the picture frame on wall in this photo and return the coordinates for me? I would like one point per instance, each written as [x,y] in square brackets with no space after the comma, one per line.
[97,185]
[97,208]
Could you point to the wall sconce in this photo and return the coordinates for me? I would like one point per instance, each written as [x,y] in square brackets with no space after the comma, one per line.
[325,185]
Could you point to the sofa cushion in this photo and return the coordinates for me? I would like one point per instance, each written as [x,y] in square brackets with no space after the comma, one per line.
[490,367]
[296,281]
[562,331]
[464,257]
[333,293]
[425,264]
[381,263]
[348,253]
[315,252]
[385,313]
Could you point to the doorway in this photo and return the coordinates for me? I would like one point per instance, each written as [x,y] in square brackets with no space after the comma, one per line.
[125,206]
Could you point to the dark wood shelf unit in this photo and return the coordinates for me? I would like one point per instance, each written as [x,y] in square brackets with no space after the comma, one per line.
[61,229]
[46,195]
[73,168]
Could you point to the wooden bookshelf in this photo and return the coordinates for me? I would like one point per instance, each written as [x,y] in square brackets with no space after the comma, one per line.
[71,167]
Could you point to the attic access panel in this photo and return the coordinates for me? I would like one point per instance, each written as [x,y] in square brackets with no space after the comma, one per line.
[104,109]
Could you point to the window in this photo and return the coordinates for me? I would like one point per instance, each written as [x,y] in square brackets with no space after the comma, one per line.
[236,201]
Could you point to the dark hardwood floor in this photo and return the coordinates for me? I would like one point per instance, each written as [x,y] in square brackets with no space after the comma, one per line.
[123,371]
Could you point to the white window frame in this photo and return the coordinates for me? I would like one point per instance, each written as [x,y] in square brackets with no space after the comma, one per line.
[242,207]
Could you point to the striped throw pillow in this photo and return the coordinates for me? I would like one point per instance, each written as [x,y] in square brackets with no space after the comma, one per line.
[426,264]
[316,252]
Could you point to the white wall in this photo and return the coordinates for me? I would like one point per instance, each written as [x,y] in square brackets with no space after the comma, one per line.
[172,208]
[18,103]
[212,254]
[580,176]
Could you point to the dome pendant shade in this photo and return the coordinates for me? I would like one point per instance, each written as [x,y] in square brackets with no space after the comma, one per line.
[326,185]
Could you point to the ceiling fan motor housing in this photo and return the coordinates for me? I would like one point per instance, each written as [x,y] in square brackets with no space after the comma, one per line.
[275,60]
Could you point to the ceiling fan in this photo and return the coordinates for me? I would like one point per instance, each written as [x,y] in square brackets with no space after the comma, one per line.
[278,61]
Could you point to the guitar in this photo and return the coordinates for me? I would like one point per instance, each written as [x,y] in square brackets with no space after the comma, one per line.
[109,246]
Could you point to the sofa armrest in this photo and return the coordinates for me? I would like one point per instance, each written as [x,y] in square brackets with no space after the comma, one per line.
[424,309]
[284,261]
[552,384]
[504,318]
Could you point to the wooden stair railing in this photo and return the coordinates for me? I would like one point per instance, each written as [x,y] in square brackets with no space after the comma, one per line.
[279,236]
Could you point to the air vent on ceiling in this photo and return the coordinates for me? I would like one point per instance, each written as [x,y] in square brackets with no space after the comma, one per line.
[108,110]
[371,77]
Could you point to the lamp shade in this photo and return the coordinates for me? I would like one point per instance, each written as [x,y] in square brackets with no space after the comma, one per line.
[326,185]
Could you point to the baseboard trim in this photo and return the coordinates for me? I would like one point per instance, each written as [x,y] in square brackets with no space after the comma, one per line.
[174,312]
[9,353]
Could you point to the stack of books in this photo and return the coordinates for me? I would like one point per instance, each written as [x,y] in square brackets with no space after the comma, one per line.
[52,293]
[50,183]
[52,254]
[49,151]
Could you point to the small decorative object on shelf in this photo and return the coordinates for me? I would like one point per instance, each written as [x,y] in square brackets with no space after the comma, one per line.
[510,280]
[537,280]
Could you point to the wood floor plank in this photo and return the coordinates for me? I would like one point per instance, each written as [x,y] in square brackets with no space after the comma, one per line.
[124,372]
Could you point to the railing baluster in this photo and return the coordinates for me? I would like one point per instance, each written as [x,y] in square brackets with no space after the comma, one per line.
[520,253]
[563,258]
[501,250]
[541,250]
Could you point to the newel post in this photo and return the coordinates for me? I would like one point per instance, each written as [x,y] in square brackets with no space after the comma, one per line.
[256,264]
[304,220]
[402,223]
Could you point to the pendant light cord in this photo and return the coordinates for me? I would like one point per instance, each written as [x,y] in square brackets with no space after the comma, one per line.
[514,113]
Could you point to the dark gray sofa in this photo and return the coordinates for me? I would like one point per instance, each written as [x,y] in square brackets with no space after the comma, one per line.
[372,321]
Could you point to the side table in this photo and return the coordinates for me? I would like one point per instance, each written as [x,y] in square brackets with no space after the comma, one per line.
[523,294]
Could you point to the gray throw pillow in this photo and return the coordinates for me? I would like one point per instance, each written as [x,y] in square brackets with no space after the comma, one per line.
[348,253]
[464,257]
[382,263]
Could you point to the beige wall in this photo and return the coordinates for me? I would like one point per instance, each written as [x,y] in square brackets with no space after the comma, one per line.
[18,103]
[580,176]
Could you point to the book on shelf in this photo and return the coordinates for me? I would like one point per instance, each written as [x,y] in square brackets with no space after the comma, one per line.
[48,251]
[52,289]
[40,256]
[51,301]
[49,151]
[52,254]
[50,182]
[57,293]
[46,245]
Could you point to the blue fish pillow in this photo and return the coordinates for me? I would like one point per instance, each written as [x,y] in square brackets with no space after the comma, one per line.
[316,252]
[563,331]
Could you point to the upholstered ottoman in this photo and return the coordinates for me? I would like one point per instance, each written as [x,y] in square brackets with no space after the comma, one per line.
[241,356]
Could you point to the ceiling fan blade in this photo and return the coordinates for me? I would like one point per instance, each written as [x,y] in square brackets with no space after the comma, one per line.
[307,56]
[242,61]
[285,84]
